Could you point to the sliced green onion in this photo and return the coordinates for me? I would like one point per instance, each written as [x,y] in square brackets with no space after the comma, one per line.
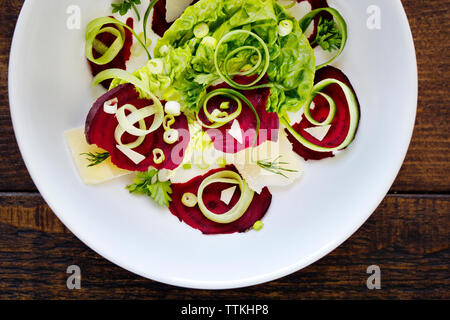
[164,50]
[169,120]
[340,22]
[189,200]
[209,42]
[226,75]
[225,105]
[187,166]
[201,30]
[156,66]
[353,110]
[238,209]
[219,114]
[158,156]
[96,27]
[285,27]
[258,225]
[171,136]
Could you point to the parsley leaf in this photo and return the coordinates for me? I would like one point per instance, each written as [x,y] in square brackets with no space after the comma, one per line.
[125,6]
[95,158]
[147,183]
[328,37]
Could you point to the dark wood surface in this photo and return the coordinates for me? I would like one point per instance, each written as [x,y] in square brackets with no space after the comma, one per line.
[407,236]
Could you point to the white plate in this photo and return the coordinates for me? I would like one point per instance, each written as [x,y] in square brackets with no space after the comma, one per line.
[49,87]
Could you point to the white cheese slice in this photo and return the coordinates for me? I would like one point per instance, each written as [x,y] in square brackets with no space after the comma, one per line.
[279,152]
[134,156]
[175,8]
[227,195]
[100,173]
[236,132]
[319,132]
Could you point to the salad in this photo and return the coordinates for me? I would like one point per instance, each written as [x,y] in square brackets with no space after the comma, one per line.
[229,103]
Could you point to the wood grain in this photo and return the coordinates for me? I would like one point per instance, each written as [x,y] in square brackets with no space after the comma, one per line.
[408,237]
[427,163]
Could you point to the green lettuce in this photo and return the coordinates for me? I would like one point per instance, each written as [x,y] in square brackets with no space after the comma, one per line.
[189,62]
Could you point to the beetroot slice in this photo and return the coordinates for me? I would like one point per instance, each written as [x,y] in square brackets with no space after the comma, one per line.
[100,128]
[122,57]
[211,197]
[159,22]
[316,4]
[269,125]
[339,126]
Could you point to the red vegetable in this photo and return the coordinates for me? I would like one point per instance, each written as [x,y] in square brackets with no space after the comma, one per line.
[100,128]
[122,57]
[211,197]
[339,126]
[269,125]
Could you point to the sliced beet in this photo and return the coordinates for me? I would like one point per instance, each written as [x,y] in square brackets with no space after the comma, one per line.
[159,22]
[339,126]
[316,4]
[100,127]
[211,197]
[122,57]
[269,125]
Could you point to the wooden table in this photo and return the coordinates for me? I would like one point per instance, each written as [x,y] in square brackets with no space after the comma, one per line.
[407,236]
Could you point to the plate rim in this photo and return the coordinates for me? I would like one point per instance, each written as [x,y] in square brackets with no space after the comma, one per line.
[198,284]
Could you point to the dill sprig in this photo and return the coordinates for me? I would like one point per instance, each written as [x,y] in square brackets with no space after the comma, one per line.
[95,158]
[275,166]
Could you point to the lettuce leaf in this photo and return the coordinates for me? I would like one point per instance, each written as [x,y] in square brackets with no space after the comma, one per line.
[189,62]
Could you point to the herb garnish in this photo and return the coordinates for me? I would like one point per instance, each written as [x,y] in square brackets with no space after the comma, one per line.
[275,166]
[328,37]
[147,183]
[125,6]
[96,158]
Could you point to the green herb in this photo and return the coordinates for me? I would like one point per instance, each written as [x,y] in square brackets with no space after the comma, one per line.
[125,6]
[96,158]
[146,15]
[329,37]
[147,183]
[275,166]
